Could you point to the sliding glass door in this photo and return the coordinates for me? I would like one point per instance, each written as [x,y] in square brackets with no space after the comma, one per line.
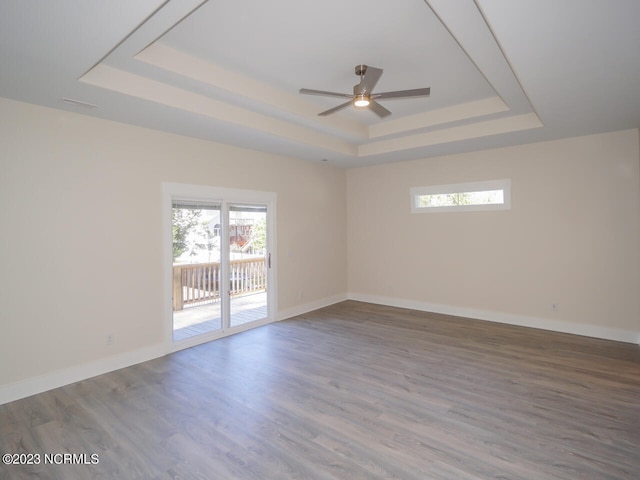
[197,268]
[248,263]
[221,265]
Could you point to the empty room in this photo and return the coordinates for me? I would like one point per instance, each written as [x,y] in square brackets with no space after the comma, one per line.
[391,239]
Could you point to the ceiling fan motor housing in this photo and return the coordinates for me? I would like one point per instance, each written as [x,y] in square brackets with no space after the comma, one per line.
[359,90]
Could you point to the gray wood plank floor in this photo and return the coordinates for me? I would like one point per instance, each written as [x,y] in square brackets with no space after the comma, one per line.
[352,391]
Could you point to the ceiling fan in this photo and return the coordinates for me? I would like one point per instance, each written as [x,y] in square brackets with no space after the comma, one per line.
[362,93]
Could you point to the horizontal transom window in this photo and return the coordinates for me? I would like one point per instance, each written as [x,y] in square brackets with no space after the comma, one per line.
[472,196]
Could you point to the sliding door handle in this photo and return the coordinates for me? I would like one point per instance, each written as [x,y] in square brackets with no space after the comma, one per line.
[269,260]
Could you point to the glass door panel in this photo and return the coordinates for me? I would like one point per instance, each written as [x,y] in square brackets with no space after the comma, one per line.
[197,269]
[248,264]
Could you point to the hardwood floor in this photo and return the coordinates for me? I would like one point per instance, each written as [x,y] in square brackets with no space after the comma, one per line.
[352,391]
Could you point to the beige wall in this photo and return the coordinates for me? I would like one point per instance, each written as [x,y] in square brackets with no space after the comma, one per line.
[81,221]
[572,237]
[81,246]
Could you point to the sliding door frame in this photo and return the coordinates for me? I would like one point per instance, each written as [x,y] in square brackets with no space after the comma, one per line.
[224,196]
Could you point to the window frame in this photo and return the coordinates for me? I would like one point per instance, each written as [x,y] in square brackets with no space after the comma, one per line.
[210,195]
[503,184]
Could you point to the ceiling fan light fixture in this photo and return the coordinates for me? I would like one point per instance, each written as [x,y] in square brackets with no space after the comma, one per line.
[361,100]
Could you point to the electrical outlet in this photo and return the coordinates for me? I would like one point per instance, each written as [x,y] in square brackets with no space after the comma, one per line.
[110,339]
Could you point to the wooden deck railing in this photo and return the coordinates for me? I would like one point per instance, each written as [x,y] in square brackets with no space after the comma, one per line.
[199,283]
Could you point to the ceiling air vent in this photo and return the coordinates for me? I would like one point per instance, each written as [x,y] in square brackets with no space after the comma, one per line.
[78,103]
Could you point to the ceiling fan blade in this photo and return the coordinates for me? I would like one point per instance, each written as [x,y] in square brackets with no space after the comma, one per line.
[369,80]
[378,109]
[335,109]
[307,91]
[416,92]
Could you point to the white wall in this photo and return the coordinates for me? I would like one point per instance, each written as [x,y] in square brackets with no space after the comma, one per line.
[572,237]
[81,220]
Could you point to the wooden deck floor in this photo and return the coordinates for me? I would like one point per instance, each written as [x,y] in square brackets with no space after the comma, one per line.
[352,391]
[207,318]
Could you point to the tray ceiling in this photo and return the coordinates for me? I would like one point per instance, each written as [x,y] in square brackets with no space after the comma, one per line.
[500,73]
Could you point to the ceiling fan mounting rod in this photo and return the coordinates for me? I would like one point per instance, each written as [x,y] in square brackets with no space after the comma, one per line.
[361,70]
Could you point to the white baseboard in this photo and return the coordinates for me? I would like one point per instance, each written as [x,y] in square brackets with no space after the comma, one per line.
[42,383]
[606,333]
[309,307]
[60,378]
[48,381]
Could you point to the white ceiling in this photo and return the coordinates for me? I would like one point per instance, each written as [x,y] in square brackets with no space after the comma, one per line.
[501,72]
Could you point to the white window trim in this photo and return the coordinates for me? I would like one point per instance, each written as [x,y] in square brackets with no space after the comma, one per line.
[501,184]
